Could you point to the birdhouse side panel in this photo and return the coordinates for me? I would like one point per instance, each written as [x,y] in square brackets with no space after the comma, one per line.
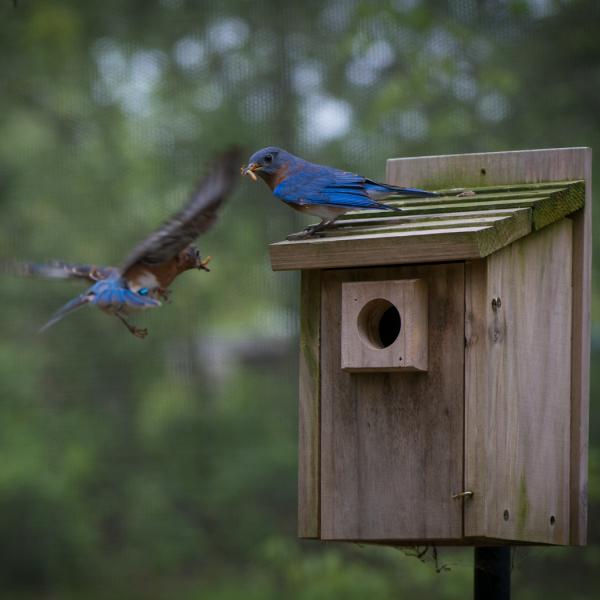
[517,437]
[309,407]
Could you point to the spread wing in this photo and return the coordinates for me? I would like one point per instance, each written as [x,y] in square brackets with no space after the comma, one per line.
[56,269]
[196,217]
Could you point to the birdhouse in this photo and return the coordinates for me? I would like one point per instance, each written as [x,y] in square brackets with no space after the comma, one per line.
[444,357]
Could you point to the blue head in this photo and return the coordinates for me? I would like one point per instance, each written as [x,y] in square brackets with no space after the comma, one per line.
[271,164]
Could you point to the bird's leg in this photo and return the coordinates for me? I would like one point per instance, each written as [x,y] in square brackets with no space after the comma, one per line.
[311,230]
[94,275]
[140,333]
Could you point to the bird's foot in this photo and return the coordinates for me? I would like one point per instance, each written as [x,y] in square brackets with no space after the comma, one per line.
[309,232]
[95,274]
[165,295]
[139,333]
[300,235]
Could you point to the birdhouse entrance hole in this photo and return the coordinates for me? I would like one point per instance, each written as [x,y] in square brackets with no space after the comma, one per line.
[379,323]
[384,325]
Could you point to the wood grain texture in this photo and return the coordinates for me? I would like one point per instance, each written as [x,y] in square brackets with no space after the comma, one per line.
[391,443]
[395,248]
[309,408]
[363,307]
[417,223]
[535,166]
[477,424]
[398,247]
[520,427]
[580,358]
[489,168]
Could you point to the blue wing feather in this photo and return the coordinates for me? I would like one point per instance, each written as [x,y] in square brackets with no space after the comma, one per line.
[62,312]
[313,185]
[112,293]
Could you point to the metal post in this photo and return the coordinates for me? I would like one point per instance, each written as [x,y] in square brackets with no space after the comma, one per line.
[492,573]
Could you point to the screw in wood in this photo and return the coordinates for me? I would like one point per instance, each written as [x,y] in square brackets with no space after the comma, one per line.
[496,303]
[506,515]
[460,495]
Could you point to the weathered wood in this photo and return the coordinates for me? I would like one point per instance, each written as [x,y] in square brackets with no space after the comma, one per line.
[525,414]
[398,247]
[477,447]
[309,408]
[394,248]
[488,168]
[399,224]
[549,205]
[525,186]
[580,359]
[534,166]
[401,218]
[364,304]
[558,205]
[391,451]
[536,191]
[504,232]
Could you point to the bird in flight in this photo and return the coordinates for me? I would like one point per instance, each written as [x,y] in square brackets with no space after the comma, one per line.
[144,278]
[319,190]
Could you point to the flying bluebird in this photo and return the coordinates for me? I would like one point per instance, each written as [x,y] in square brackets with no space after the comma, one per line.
[319,190]
[144,278]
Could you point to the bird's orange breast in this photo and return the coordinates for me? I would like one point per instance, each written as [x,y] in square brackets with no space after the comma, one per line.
[274,179]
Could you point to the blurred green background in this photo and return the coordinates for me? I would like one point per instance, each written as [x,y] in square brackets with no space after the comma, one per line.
[167,468]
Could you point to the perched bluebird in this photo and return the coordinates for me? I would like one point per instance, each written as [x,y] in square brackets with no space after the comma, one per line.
[319,190]
[144,278]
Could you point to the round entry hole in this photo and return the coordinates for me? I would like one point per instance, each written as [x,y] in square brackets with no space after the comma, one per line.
[379,323]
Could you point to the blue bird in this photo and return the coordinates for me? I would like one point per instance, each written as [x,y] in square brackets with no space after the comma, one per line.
[145,275]
[319,190]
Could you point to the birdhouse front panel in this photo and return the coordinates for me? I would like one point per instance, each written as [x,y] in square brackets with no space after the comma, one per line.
[391,443]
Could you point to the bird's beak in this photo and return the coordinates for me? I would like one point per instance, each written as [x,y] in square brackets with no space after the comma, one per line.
[249,170]
[202,265]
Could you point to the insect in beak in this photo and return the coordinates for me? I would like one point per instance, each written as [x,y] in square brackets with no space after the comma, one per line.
[249,170]
[202,266]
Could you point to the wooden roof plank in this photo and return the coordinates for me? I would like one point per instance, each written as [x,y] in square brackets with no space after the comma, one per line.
[558,205]
[370,250]
[382,228]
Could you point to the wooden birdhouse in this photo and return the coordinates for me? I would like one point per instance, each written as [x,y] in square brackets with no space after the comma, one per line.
[445,355]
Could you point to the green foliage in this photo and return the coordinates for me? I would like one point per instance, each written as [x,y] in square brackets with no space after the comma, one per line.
[167,469]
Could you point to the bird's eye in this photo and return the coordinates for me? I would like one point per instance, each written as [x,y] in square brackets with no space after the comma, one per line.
[143,291]
[268,158]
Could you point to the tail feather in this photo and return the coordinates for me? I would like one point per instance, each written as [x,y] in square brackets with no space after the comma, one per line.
[382,190]
[56,269]
[68,308]
[413,192]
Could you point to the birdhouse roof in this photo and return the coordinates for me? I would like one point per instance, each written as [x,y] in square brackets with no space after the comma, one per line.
[460,224]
